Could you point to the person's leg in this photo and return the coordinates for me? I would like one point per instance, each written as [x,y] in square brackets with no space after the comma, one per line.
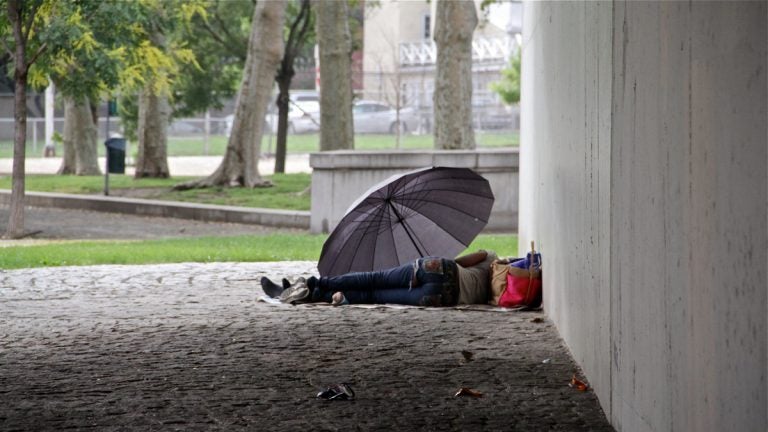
[392,285]
[397,277]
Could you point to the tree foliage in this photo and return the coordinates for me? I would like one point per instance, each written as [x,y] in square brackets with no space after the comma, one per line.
[219,40]
[43,38]
[508,88]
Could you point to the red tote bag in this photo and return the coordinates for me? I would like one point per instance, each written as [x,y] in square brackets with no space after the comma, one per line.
[524,283]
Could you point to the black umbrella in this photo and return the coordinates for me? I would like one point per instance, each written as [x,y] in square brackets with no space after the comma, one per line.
[428,212]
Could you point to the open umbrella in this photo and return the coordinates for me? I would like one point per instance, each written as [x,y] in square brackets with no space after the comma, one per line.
[427,212]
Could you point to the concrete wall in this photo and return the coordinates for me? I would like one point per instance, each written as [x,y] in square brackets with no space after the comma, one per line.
[340,177]
[643,178]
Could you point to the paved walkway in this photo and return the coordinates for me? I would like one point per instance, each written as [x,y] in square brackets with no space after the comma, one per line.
[179,166]
[187,347]
[68,224]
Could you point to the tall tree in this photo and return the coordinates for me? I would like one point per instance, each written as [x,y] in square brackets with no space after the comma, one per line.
[335,43]
[79,138]
[161,25]
[42,37]
[153,118]
[21,19]
[454,25]
[300,31]
[88,47]
[239,167]
[87,71]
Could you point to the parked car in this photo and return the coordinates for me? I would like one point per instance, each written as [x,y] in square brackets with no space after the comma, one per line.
[303,117]
[184,127]
[376,117]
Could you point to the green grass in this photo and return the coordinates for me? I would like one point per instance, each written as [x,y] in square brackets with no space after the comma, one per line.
[302,143]
[286,194]
[274,247]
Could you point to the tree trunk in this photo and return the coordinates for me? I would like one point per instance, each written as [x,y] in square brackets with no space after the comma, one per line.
[296,40]
[455,22]
[15,227]
[265,49]
[152,128]
[283,100]
[335,42]
[80,146]
[152,131]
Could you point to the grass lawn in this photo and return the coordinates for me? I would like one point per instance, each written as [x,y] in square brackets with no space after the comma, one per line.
[301,143]
[288,192]
[276,247]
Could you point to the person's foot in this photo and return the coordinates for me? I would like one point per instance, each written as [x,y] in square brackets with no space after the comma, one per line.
[298,292]
[270,288]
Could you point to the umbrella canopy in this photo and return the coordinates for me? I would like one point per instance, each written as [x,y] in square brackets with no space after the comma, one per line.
[428,212]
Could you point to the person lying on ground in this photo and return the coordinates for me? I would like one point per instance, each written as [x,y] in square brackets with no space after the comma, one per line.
[428,281]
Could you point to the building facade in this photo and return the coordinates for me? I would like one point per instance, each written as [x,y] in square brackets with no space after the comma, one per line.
[399,57]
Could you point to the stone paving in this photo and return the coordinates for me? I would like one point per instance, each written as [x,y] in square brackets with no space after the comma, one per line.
[187,347]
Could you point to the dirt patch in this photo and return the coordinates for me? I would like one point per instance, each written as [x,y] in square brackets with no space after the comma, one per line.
[142,193]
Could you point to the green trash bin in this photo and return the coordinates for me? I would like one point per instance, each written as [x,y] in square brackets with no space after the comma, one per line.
[115,155]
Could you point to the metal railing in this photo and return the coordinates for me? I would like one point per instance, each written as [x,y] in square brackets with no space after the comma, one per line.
[424,53]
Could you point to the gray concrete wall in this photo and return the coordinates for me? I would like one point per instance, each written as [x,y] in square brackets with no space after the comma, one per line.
[643,179]
[340,177]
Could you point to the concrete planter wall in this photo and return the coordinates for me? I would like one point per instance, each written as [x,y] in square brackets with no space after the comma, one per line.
[340,177]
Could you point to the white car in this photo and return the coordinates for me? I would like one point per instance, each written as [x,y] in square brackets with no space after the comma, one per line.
[376,117]
[303,117]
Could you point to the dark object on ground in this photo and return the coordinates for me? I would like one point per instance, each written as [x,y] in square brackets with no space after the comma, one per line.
[466,391]
[270,288]
[428,212]
[342,391]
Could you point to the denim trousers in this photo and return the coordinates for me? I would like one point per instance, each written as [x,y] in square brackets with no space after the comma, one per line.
[435,284]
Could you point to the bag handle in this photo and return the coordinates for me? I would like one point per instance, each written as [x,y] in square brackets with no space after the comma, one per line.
[530,272]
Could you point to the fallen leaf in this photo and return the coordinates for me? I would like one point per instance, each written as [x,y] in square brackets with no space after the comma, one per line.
[466,391]
[537,320]
[578,384]
[467,355]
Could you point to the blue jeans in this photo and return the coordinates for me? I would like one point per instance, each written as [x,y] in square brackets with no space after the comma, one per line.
[435,284]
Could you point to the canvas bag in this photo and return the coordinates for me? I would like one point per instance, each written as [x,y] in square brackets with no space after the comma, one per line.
[499,271]
[523,282]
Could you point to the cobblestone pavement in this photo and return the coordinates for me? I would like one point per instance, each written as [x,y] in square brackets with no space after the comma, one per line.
[188,347]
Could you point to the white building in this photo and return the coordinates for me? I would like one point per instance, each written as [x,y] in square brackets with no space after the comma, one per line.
[399,55]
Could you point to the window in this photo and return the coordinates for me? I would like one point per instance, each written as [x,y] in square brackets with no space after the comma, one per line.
[427,25]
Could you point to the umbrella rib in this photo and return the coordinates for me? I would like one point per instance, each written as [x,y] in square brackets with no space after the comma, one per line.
[438,203]
[442,228]
[427,191]
[362,228]
[406,227]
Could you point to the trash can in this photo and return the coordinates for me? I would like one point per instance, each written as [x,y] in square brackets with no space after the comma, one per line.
[115,155]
